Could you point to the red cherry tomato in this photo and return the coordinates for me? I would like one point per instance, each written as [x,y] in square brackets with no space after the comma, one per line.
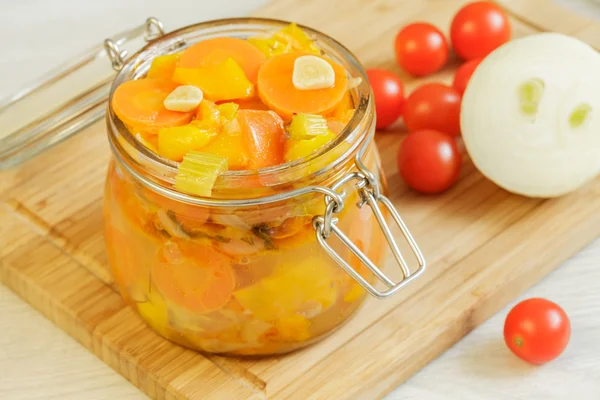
[388,91]
[478,29]
[463,74]
[537,330]
[429,161]
[421,49]
[433,106]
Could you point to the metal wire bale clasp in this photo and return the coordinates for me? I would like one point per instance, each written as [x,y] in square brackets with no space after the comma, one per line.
[153,29]
[370,194]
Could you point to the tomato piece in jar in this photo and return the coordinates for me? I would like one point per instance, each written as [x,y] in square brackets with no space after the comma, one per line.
[263,137]
[193,276]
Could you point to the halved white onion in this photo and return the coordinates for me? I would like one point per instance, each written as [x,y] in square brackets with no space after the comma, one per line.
[530,116]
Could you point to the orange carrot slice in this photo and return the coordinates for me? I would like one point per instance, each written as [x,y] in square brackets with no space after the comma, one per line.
[201,279]
[276,89]
[139,103]
[263,137]
[215,51]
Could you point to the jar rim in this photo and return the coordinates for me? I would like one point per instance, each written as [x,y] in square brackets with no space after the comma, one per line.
[140,161]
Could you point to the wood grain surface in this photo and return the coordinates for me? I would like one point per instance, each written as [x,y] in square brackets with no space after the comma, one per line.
[484,247]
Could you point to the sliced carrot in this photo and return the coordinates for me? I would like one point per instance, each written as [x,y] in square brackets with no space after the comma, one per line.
[276,89]
[127,251]
[263,137]
[202,281]
[126,268]
[139,103]
[217,50]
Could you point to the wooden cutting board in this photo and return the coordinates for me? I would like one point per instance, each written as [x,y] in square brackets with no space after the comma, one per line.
[484,246]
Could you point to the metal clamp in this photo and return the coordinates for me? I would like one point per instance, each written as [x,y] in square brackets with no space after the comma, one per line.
[370,194]
[153,30]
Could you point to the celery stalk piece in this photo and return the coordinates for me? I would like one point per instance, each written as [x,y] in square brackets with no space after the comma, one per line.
[198,172]
[307,126]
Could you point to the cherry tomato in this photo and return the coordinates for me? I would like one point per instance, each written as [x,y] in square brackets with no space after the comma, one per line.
[478,29]
[429,161]
[433,106]
[463,75]
[388,91]
[421,49]
[537,330]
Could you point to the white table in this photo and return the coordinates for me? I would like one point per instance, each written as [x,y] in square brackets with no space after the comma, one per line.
[39,361]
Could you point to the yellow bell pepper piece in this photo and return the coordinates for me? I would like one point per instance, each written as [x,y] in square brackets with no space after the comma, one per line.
[209,116]
[164,66]
[355,293]
[297,39]
[296,149]
[283,294]
[293,328]
[175,142]
[150,141]
[223,81]
[155,313]
[230,147]
[269,46]
[289,39]
[345,110]
[228,110]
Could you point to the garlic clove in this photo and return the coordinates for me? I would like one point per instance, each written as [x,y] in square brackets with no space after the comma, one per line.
[311,73]
[184,98]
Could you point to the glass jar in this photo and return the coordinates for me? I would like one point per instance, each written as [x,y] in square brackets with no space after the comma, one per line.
[276,258]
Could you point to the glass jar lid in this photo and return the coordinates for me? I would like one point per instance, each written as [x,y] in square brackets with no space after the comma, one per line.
[67,100]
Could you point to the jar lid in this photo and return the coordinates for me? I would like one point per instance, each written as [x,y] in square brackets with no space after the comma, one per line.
[67,99]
